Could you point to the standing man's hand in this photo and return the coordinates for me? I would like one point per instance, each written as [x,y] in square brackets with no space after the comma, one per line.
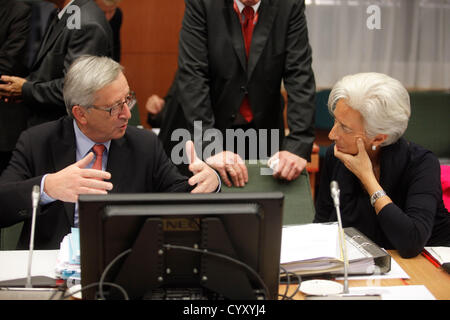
[229,163]
[286,165]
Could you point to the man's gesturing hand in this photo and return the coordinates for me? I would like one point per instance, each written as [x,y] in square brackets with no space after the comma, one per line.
[68,183]
[204,177]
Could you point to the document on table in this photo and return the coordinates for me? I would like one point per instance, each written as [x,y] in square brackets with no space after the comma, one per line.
[441,254]
[410,292]
[14,264]
[315,249]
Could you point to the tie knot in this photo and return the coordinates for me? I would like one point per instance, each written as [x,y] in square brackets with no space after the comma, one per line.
[248,12]
[98,149]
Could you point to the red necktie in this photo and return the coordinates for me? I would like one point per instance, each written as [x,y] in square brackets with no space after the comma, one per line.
[247,27]
[98,151]
[247,31]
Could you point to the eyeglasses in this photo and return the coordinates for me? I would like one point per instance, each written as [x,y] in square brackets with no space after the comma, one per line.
[117,108]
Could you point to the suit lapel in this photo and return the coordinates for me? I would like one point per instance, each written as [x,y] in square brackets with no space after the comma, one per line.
[267,12]
[49,40]
[118,160]
[64,154]
[58,29]
[235,32]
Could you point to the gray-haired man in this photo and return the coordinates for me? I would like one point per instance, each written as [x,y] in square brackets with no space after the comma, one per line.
[59,155]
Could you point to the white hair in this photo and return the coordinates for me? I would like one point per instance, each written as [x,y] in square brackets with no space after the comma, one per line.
[87,75]
[382,101]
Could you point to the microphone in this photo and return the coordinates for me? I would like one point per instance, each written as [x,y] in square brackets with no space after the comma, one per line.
[335,192]
[334,187]
[35,195]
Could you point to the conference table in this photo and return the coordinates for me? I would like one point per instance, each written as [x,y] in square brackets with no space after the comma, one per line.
[419,269]
[420,272]
[299,209]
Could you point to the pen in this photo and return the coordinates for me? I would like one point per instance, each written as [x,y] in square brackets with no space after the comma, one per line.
[431,259]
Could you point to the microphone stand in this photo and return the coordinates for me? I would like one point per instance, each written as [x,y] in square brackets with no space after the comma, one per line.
[35,194]
[342,244]
[22,288]
[345,295]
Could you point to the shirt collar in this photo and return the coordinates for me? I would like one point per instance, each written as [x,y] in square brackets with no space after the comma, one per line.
[61,13]
[241,6]
[84,144]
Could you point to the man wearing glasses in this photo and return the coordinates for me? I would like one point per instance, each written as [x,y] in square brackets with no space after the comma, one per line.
[91,151]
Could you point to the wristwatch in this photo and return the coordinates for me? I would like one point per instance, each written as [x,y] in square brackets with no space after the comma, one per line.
[375,196]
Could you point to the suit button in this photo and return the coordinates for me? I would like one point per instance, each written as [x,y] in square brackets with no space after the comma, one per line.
[244,89]
[233,116]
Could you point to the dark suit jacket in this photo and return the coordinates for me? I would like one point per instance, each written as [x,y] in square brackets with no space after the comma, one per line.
[15,16]
[136,161]
[214,76]
[43,91]
[14,31]
[410,175]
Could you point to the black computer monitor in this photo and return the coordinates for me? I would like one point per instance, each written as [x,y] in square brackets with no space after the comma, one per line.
[179,245]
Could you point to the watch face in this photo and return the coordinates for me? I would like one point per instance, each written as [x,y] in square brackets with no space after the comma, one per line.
[378,194]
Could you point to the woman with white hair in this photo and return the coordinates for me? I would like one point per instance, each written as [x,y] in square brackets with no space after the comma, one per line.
[390,188]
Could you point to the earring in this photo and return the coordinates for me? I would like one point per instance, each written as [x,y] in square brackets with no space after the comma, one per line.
[374,147]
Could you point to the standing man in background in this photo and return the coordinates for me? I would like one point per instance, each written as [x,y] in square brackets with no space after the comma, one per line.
[14,31]
[233,56]
[114,16]
[78,27]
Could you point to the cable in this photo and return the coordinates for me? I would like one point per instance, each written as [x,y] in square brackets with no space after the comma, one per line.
[60,288]
[225,257]
[111,284]
[287,285]
[102,282]
[299,280]
[102,278]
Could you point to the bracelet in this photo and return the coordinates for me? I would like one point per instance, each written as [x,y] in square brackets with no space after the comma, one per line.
[375,196]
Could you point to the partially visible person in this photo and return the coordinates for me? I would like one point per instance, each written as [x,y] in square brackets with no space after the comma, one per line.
[445,181]
[14,32]
[154,107]
[91,151]
[78,27]
[390,188]
[161,115]
[114,15]
[233,57]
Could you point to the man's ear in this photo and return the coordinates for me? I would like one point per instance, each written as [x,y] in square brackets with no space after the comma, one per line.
[79,113]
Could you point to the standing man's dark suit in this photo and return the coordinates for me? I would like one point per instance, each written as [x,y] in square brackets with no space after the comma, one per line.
[136,161]
[43,89]
[213,75]
[14,31]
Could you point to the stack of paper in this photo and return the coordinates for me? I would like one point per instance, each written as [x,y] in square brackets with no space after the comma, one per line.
[13,268]
[68,261]
[315,249]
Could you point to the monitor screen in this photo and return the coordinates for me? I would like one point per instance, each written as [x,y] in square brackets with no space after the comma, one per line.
[181,246]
